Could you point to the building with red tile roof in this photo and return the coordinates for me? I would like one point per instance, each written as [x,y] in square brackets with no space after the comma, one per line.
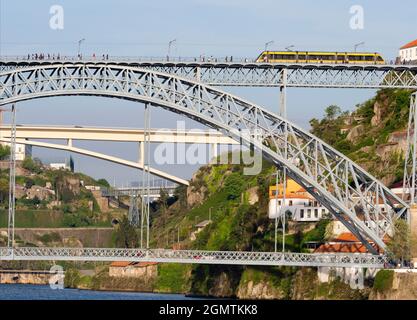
[408,52]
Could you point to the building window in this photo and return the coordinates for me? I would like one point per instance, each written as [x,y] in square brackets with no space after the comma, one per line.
[309,213]
[302,213]
[316,213]
[290,202]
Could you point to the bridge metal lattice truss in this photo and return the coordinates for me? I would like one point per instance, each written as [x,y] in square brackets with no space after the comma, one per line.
[195,256]
[338,183]
[153,191]
[261,74]
[410,170]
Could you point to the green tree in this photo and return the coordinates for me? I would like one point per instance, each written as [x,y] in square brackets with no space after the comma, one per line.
[4,189]
[233,186]
[4,152]
[32,165]
[399,246]
[332,112]
[126,235]
[103,182]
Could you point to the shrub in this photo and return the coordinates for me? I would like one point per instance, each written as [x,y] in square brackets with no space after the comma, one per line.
[72,278]
[383,280]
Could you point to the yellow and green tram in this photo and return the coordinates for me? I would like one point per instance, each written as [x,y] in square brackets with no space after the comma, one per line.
[320,57]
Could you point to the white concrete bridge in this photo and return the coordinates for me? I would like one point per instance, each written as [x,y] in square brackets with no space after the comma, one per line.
[26,133]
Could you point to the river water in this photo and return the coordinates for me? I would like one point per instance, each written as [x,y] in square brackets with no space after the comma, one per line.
[44,292]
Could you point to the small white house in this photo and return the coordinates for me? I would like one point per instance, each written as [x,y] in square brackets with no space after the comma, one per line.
[408,52]
[302,208]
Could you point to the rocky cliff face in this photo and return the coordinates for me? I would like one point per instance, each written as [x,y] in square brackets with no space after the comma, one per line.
[262,290]
[403,287]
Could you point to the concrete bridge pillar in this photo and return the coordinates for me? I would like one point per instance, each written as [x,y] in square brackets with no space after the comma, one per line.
[413,227]
[141,153]
[213,151]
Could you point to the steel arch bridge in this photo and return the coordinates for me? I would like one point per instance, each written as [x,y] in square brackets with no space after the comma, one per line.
[338,183]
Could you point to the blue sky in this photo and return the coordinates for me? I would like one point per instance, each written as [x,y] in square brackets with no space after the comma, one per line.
[216,27]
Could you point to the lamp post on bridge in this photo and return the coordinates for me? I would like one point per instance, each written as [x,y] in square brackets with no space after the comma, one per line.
[79,47]
[357,45]
[169,47]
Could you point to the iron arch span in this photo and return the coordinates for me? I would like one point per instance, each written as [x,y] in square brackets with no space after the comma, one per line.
[361,202]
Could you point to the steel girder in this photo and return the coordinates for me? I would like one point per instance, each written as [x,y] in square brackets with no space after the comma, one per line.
[195,256]
[264,74]
[361,202]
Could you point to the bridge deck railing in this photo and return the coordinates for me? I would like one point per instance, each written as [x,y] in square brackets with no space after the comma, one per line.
[194,256]
[178,59]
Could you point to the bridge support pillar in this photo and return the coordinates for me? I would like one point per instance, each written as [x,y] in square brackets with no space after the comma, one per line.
[213,151]
[141,153]
[413,228]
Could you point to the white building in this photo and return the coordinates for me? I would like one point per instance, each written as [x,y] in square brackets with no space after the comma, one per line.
[22,150]
[67,164]
[301,207]
[408,52]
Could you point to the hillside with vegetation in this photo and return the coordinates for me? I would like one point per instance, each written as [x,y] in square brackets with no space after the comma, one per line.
[50,198]
[374,135]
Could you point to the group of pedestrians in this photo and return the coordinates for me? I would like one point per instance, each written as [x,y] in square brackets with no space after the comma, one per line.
[43,56]
[53,56]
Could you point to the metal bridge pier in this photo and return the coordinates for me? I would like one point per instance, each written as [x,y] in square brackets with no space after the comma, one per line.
[12,181]
[409,183]
[145,205]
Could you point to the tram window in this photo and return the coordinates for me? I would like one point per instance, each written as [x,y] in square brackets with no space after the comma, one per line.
[340,58]
[302,57]
[354,58]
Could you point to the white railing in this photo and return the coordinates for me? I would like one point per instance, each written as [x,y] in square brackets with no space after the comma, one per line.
[195,256]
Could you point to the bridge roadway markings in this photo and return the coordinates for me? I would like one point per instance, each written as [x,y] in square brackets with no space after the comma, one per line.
[254,74]
[193,257]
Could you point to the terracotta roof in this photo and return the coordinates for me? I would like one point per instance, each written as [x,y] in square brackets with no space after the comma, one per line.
[410,45]
[124,264]
[346,237]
